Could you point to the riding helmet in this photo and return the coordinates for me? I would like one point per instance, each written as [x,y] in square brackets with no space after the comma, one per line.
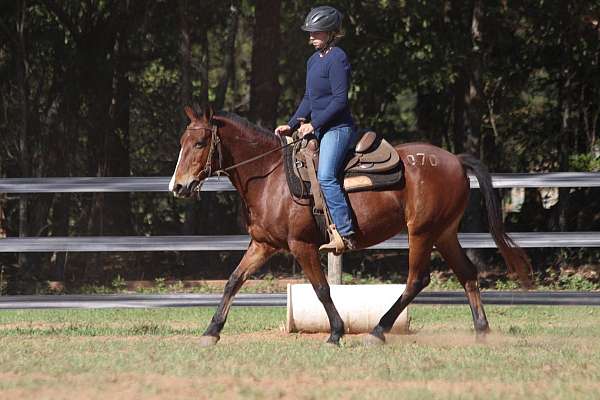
[323,19]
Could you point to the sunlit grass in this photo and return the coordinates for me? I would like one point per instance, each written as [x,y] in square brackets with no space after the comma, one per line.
[538,352]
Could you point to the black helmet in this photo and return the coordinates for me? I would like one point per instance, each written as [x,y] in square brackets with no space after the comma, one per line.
[323,19]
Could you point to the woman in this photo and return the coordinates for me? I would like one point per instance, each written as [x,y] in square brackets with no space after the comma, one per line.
[326,103]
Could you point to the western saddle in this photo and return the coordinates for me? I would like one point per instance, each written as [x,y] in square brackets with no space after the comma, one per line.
[374,164]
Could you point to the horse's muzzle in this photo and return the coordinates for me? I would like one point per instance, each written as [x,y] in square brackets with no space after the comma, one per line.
[183,191]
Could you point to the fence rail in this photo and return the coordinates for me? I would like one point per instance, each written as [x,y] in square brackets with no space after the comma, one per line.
[280,300]
[240,242]
[161,184]
[102,185]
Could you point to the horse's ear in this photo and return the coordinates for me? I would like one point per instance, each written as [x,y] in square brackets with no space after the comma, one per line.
[208,113]
[189,111]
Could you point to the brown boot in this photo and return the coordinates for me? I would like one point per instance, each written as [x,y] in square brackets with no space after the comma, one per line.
[338,244]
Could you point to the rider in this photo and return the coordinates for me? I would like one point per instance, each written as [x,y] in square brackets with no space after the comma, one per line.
[326,102]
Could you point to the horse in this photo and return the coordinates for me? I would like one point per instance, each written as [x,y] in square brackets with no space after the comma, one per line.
[428,204]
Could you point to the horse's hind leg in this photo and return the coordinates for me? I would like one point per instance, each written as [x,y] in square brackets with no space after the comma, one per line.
[307,256]
[466,273]
[254,258]
[418,278]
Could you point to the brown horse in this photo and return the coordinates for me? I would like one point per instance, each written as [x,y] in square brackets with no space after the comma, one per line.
[428,205]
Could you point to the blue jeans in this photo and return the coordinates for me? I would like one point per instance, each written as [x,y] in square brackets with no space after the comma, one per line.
[335,145]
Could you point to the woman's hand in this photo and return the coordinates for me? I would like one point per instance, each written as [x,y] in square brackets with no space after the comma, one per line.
[305,129]
[283,130]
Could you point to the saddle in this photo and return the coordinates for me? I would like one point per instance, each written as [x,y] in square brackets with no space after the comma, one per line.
[373,164]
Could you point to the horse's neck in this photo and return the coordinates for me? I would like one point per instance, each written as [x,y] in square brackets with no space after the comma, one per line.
[241,144]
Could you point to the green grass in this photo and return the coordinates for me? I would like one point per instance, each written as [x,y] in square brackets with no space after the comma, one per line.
[533,352]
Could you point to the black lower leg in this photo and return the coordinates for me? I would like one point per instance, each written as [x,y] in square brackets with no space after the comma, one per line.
[335,321]
[220,317]
[481,324]
[387,321]
[480,321]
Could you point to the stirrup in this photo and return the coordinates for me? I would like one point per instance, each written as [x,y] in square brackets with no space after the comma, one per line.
[336,244]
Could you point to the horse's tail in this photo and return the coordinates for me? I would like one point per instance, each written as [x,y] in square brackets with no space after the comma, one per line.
[517,261]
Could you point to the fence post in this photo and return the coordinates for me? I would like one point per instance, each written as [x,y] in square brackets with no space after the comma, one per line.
[334,269]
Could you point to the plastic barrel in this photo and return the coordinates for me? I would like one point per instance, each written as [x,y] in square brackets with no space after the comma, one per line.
[360,306]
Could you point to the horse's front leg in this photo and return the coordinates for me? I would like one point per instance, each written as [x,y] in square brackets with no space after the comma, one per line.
[307,256]
[254,258]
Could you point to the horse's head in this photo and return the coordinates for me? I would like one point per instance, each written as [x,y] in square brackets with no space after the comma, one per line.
[197,153]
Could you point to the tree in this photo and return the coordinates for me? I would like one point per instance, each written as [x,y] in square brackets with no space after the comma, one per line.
[264,83]
[229,59]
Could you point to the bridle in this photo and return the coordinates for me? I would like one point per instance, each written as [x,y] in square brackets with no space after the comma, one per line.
[215,146]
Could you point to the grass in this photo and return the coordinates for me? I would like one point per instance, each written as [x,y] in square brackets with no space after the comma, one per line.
[538,352]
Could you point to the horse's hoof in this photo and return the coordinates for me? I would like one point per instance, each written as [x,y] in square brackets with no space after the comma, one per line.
[208,341]
[372,340]
[333,342]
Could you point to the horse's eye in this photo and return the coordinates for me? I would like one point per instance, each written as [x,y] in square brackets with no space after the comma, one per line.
[200,144]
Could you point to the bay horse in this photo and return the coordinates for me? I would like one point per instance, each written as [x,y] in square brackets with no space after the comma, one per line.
[428,205]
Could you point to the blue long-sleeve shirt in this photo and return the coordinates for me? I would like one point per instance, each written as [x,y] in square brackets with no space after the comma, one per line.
[325,99]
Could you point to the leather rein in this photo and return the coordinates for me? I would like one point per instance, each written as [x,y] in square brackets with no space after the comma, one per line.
[215,145]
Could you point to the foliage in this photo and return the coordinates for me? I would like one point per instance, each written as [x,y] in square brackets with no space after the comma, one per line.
[359,279]
[584,162]
[576,282]
[97,89]
[118,284]
[2,281]
[507,285]
[569,280]
[444,282]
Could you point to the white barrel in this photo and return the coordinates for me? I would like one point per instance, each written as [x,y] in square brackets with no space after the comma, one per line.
[360,306]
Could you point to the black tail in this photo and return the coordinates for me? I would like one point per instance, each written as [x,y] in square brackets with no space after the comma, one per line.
[517,261]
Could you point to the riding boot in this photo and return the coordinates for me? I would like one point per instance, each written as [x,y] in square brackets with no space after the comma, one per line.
[338,244]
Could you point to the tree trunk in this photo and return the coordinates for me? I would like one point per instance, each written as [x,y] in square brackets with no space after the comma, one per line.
[185,58]
[102,72]
[2,217]
[264,82]
[431,116]
[96,81]
[559,220]
[205,68]
[473,221]
[191,260]
[229,60]
[60,221]
[474,98]
[118,219]
[458,131]
[567,89]
[24,157]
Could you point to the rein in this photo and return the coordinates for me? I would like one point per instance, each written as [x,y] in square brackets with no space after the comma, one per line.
[215,145]
[257,157]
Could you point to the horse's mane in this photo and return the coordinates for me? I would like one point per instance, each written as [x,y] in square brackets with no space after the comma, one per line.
[243,122]
[240,122]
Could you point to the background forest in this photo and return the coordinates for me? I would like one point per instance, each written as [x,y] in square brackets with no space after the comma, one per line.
[97,88]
